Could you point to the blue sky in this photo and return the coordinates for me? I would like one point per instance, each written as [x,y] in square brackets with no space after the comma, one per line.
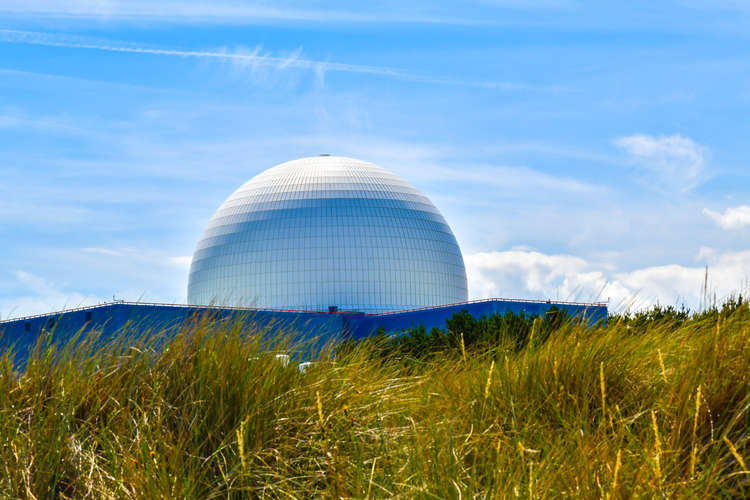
[579,150]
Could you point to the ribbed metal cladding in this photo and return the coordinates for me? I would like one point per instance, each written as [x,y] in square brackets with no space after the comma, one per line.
[327,231]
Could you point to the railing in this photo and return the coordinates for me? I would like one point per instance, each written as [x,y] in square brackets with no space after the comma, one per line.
[551,302]
[237,308]
[64,311]
[166,304]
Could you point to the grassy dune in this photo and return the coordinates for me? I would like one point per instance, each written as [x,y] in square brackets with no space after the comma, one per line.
[654,409]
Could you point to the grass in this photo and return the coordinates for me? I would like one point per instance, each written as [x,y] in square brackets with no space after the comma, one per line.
[609,412]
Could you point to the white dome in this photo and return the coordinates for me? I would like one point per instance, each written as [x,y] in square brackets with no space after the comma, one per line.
[327,231]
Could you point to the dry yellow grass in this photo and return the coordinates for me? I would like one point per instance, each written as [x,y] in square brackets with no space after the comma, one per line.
[588,413]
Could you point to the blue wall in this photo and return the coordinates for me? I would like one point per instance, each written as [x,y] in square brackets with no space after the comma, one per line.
[437,316]
[115,318]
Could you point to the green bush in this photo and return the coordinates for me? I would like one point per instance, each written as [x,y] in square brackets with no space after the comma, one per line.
[464,331]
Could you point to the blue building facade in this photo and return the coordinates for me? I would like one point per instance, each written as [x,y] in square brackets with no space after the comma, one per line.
[116,317]
[324,233]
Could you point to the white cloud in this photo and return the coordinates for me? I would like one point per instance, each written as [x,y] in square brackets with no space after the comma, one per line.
[41,296]
[140,257]
[516,181]
[124,273]
[175,11]
[220,11]
[105,251]
[705,254]
[674,162]
[530,274]
[254,59]
[736,6]
[732,218]
[670,284]
[181,261]
[35,283]
[13,119]
[535,275]
[530,4]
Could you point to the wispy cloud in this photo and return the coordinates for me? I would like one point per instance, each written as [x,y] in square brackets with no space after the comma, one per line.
[732,218]
[107,251]
[181,261]
[80,82]
[39,295]
[424,163]
[674,161]
[256,58]
[226,12]
[518,179]
[741,6]
[16,119]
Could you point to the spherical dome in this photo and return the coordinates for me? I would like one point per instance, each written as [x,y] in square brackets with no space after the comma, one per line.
[327,231]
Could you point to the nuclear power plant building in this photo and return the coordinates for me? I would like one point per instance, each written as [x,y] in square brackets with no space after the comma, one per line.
[329,243]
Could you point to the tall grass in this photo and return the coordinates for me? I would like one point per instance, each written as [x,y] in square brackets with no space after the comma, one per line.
[212,412]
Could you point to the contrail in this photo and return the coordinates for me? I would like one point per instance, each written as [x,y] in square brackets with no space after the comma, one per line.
[293,61]
[54,40]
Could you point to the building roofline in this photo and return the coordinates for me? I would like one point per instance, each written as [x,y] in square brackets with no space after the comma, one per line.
[260,309]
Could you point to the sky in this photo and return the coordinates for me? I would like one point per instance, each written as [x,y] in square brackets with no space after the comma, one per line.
[585,151]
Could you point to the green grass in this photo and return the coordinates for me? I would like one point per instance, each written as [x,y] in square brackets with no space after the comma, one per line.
[614,412]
